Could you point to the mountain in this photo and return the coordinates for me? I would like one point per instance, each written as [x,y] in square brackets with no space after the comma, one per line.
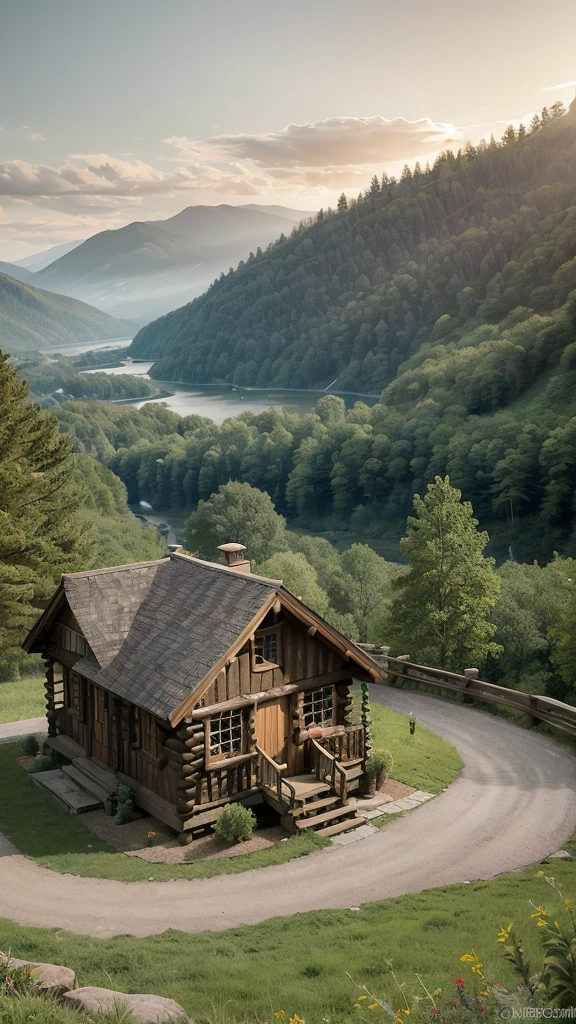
[18,273]
[150,267]
[31,318]
[38,260]
[411,267]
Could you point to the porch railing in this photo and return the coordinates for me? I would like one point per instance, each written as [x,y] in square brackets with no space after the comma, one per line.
[270,778]
[347,746]
[328,769]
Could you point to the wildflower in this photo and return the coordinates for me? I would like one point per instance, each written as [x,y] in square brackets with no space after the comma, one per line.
[557,926]
[504,933]
[541,922]
[540,912]
[477,969]
[459,982]
[481,1009]
[437,992]
[453,1002]
[9,982]
[568,904]
[485,992]
[467,958]
[151,835]
[373,1006]
[435,1010]
[407,1012]
[362,998]
[295,1019]
[279,1014]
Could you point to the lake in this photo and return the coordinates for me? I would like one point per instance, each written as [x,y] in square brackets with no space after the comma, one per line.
[221,402]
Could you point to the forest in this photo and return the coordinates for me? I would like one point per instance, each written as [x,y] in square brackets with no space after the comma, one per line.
[413,262]
[54,379]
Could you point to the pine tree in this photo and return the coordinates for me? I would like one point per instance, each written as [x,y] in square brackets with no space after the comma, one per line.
[509,136]
[535,124]
[440,612]
[342,203]
[39,534]
[564,654]
[374,186]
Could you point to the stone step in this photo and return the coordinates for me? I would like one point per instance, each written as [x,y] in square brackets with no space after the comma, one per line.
[353,773]
[106,779]
[86,782]
[341,826]
[320,819]
[66,791]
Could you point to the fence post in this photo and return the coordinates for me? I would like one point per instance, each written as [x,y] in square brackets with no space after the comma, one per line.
[393,677]
[471,674]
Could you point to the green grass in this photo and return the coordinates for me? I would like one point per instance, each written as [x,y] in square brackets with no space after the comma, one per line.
[42,829]
[299,964]
[21,699]
[423,760]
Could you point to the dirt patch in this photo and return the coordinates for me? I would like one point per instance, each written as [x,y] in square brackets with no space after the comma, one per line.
[208,848]
[25,761]
[396,790]
[131,836]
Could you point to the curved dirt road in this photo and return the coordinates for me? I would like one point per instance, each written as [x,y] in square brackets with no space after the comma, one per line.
[513,804]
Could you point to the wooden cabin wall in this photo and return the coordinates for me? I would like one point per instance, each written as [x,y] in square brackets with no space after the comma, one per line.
[158,775]
[303,657]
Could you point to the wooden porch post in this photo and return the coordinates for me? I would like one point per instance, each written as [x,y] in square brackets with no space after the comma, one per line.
[49,695]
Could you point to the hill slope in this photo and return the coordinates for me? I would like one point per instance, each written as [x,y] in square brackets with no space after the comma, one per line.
[31,318]
[152,266]
[38,260]
[17,272]
[361,291]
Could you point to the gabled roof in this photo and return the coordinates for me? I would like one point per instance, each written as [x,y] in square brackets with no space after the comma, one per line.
[159,632]
[192,615]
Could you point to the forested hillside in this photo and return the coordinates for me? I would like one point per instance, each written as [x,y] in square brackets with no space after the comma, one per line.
[31,318]
[418,262]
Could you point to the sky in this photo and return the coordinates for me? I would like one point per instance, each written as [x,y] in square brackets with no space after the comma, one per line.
[128,110]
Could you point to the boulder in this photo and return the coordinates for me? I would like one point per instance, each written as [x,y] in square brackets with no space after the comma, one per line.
[144,1008]
[51,978]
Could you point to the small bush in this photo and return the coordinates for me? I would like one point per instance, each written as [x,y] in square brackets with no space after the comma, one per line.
[30,745]
[125,808]
[236,823]
[14,981]
[44,763]
[379,766]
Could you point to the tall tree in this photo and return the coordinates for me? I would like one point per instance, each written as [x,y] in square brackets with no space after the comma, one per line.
[342,203]
[564,655]
[440,612]
[240,513]
[368,580]
[40,536]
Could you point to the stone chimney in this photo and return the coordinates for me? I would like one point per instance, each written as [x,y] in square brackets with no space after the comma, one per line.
[233,557]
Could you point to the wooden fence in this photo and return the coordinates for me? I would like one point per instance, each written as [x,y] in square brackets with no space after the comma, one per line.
[396,671]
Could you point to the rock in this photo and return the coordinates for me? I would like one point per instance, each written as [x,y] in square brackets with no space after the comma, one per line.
[145,1008]
[561,854]
[50,977]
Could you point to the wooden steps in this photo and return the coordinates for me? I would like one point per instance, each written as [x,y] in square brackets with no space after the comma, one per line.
[341,826]
[307,786]
[107,780]
[65,746]
[325,816]
[66,791]
[316,805]
[86,782]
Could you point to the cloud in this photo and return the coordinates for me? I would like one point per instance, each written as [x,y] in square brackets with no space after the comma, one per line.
[34,137]
[562,85]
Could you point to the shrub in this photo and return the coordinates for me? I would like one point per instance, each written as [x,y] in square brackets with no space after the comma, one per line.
[236,823]
[30,745]
[125,808]
[44,763]
[379,766]
[14,981]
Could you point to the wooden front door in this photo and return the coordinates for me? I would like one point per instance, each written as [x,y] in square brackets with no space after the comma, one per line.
[100,725]
[273,729]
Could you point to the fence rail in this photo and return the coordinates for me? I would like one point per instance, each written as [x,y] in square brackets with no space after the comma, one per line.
[539,708]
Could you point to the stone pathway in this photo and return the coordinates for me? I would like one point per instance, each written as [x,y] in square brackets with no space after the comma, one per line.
[366,831]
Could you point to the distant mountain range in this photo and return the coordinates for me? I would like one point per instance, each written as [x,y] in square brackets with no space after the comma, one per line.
[148,268]
[31,318]
[38,260]
[17,272]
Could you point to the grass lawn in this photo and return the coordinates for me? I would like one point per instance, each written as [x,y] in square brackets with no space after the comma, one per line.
[40,828]
[23,698]
[299,964]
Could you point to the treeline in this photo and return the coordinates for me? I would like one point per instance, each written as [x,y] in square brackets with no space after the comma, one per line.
[58,379]
[353,296]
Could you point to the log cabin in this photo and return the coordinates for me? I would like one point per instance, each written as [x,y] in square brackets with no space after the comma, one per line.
[197,684]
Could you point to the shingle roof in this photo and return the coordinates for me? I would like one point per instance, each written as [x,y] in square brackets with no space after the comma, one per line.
[190,615]
[105,601]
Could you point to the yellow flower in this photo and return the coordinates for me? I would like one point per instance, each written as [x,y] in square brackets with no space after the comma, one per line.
[468,959]
[361,998]
[407,1012]
[540,912]
[485,992]
[477,969]
[568,904]
[279,1014]
[504,933]
[437,992]
[541,923]
[374,1006]
[557,926]
[295,1019]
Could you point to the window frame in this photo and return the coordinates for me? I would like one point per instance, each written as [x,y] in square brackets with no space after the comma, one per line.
[231,714]
[144,727]
[264,665]
[325,692]
[74,694]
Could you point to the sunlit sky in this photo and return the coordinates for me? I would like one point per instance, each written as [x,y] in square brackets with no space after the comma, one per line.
[133,109]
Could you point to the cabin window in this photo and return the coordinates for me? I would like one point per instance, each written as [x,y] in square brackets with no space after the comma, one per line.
[145,732]
[226,734]
[266,649]
[317,706]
